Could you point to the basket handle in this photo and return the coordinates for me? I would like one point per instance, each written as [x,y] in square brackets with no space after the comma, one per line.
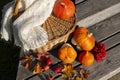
[15,13]
[16,7]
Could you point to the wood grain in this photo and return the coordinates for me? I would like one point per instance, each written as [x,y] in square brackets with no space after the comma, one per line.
[107,31]
[23,73]
[101,70]
[106,28]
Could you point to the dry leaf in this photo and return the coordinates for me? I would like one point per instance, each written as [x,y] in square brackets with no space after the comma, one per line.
[37,69]
[67,70]
[26,61]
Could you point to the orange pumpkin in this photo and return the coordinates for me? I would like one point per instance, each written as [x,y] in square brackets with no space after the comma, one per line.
[84,39]
[67,53]
[64,9]
[86,58]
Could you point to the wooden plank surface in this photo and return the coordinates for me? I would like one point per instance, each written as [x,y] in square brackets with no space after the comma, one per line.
[105,30]
[116,77]
[79,1]
[107,66]
[98,70]
[112,41]
[107,27]
[23,73]
[102,31]
[90,7]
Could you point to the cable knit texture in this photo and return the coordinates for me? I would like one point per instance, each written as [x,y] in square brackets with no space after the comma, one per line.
[27,29]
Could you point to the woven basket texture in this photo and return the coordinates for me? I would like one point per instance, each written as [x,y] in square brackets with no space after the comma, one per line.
[58,30]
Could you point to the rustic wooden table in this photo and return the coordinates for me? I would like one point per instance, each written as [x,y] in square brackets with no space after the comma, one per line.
[106,31]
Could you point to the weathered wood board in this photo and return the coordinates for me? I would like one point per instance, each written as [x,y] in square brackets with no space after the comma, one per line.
[107,31]
[90,7]
[102,69]
[25,73]
[110,40]
[106,28]
[79,1]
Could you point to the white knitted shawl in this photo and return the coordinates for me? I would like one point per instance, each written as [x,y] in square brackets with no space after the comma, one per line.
[27,29]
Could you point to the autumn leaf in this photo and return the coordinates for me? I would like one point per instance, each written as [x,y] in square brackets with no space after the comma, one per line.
[67,70]
[27,61]
[37,69]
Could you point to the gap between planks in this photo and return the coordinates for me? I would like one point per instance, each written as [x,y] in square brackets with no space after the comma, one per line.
[109,45]
[91,20]
[100,16]
[108,42]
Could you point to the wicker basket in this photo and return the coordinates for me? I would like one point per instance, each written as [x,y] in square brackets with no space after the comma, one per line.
[58,30]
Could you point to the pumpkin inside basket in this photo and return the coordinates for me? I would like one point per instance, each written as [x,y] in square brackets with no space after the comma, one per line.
[58,30]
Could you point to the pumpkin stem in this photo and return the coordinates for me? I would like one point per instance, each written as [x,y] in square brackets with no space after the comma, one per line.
[87,53]
[62,4]
[67,57]
[90,34]
[66,44]
[73,41]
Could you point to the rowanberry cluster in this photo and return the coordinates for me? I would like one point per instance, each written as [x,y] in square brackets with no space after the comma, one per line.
[99,51]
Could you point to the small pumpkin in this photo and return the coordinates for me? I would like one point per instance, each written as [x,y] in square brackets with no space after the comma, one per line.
[86,58]
[84,39]
[64,9]
[67,53]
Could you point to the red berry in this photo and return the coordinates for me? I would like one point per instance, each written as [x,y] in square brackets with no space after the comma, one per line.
[57,69]
[48,61]
[46,67]
[99,51]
